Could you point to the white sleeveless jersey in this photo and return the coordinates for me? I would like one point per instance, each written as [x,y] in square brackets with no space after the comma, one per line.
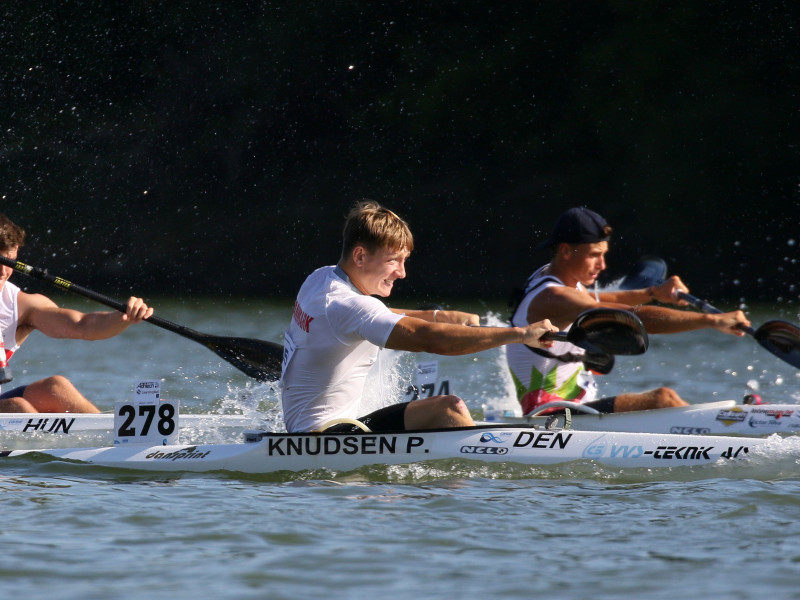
[540,379]
[331,344]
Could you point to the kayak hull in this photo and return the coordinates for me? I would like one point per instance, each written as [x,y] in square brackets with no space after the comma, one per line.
[274,452]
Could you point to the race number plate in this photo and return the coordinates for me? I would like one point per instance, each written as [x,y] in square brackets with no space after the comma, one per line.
[148,419]
[427,382]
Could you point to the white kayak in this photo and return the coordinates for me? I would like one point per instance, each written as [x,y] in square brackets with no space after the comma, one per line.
[712,418]
[264,452]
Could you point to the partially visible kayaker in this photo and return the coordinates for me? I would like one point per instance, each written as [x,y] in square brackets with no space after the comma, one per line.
[21,314]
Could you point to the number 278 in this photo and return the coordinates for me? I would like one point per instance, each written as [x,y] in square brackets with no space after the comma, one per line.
[165,423]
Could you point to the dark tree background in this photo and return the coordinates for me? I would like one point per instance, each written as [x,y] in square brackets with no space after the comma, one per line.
[209,147]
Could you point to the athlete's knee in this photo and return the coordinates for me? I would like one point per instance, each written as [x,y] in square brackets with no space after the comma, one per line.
[667,397]
[454,403]
[55,383]
[455,411]
[437,411]
[59,381]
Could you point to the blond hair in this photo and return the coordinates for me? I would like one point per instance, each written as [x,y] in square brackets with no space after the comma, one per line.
[375,227]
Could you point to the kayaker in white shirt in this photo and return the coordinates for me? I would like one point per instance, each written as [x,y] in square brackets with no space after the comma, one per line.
[338,326]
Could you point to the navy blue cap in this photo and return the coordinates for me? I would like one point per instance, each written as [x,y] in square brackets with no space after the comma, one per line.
[577,226]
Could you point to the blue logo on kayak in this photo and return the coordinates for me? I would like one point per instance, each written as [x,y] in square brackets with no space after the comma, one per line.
[595,449]
[490,437]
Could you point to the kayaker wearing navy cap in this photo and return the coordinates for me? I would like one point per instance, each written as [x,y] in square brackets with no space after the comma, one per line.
[559,290]
[578,226]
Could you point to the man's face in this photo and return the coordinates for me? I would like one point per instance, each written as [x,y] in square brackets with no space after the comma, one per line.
[378,270]
[586,261]
[5,272]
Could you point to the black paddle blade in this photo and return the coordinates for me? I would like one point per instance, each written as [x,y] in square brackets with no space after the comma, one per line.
[650,270]
[609,331]
[600,364]
[256,358]
[782,339]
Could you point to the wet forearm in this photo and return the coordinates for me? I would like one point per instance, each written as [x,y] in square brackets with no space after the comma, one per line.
[452,340]
[101,325]
[658,319]
[627,297]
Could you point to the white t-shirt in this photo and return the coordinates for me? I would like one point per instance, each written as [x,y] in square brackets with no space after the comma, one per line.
[332,341]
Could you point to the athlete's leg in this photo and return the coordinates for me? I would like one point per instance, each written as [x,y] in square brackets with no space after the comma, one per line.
[16,405]
[662,397]
[438,412]
[57,394]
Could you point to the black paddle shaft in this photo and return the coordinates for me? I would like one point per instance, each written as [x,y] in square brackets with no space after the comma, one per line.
[257,358]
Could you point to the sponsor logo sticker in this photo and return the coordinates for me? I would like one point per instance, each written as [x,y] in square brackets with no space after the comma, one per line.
[498,450]
[731,416]
[690,430]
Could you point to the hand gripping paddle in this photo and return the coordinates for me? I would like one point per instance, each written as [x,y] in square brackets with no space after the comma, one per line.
[781,338]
